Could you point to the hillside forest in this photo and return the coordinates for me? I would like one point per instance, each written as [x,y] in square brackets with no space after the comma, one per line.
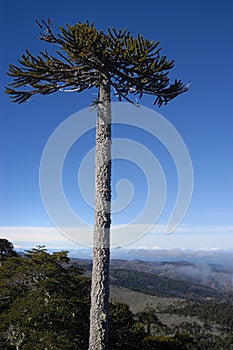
[45,303]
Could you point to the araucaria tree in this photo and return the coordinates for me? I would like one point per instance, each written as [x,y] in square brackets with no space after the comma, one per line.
[86,58]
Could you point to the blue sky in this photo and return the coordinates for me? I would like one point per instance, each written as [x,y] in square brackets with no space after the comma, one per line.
[198,36]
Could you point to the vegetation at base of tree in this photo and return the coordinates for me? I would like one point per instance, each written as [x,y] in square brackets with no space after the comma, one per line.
[124,332]
[45,302]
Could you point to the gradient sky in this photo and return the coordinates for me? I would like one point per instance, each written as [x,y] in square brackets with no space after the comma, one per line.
[198,36]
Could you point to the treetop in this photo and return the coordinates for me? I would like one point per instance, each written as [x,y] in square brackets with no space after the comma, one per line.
[86,56]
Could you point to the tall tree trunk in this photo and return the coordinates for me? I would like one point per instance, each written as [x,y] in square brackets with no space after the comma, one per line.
[101,244]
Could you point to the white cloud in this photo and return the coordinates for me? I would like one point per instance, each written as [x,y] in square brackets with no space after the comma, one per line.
[31,233]
[185,237]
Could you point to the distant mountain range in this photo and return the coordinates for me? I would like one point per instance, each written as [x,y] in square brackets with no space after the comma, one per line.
[221,255]
[213,256]
[181,279]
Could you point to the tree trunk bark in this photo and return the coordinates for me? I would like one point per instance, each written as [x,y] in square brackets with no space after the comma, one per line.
[99,313]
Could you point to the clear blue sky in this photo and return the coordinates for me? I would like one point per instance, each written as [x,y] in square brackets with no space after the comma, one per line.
[198,36]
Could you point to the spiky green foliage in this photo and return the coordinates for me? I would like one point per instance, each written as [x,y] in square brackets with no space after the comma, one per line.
[85,55]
